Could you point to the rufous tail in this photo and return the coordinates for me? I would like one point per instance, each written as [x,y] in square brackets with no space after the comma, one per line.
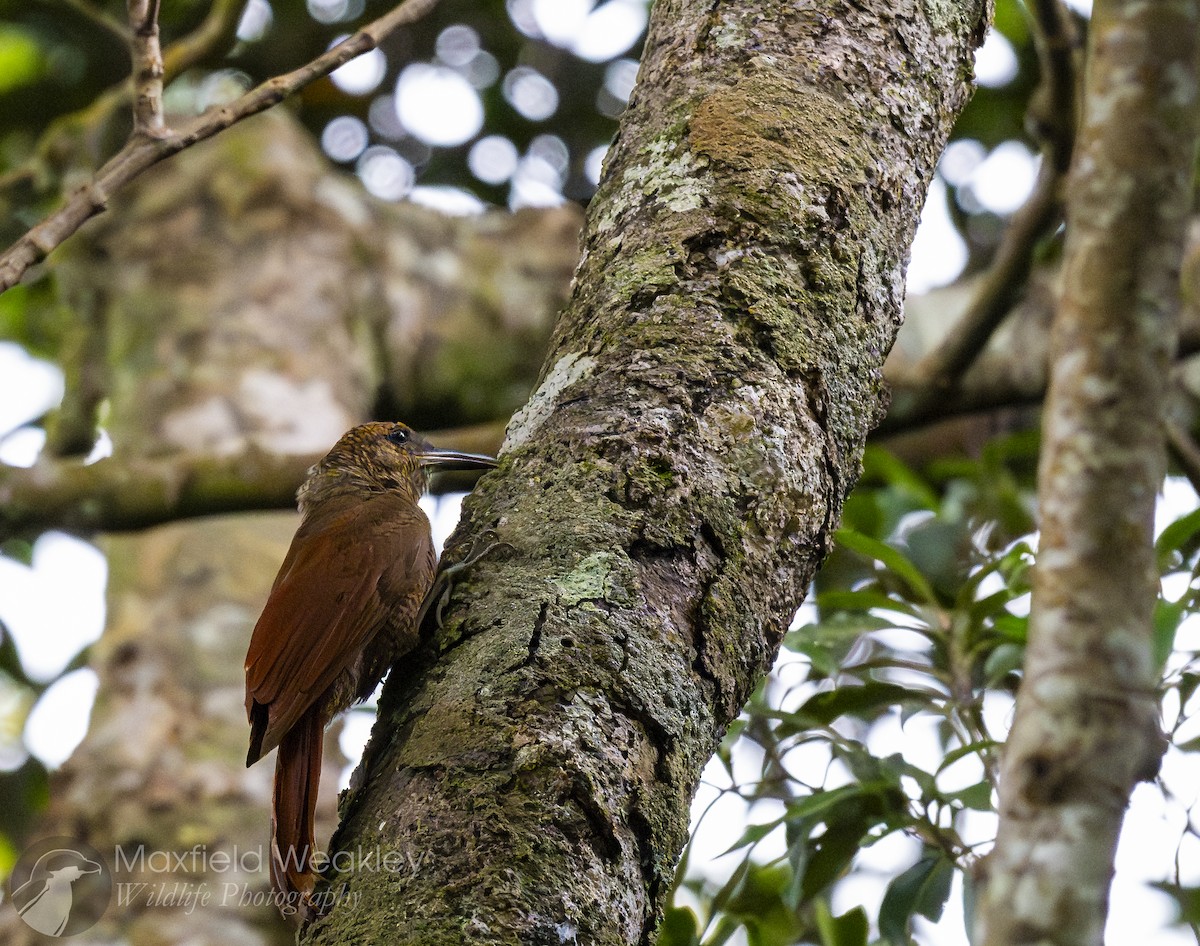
[293,846]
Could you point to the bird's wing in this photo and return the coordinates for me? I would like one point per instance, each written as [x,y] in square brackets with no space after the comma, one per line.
[337,588]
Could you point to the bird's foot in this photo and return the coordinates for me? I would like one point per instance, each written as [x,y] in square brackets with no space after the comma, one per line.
[443,584]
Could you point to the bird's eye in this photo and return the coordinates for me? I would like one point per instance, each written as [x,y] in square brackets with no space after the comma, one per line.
[399,435]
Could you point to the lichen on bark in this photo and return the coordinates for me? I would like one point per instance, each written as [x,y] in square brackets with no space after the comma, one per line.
[1086,728]
[666,497]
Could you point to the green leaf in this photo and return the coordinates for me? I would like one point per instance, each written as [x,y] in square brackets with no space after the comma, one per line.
[1188,683]
[724,931]
[1187,899]
[1168,615]
[835,849]
[1002,661]
[849,929]
[895,472]
[1191,745]
[977,796]
[752,835]
[939,549]
[922,889]
[970,895]
[891,559]
[19,550]
[729,890]
[824,663]
[1012,627]
[977,748]
[992,605]
[820,801]
[680,927]
[823,708]
[864,599]
[1175,536]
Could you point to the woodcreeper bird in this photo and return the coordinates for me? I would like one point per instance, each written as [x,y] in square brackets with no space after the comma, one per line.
[343,608]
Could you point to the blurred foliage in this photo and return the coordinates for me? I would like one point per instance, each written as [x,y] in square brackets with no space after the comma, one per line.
[918,623]
[56,59]
[59,59]
[24,781]
[918,618]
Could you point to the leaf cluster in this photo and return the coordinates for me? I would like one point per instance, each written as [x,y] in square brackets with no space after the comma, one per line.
[917,621]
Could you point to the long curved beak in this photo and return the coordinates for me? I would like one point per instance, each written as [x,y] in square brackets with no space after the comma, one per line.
[453,460]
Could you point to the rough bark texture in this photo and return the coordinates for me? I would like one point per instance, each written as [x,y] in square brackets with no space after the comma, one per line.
[670,488]
[1086,725]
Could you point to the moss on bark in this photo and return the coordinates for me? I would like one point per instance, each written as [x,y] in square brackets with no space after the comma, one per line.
[667,494]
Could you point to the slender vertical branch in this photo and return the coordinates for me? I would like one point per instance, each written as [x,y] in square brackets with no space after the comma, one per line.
[1086,726]
[146,54]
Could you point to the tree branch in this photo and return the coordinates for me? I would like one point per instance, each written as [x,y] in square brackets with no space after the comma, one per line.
[1012,370]
[1185,451]
[114,495]
[1002,285]
[119,494]
[140,153]
[146,55]
[1086,727]
[218,27]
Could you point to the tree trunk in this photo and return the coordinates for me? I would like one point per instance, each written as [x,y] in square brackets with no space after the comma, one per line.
[1086,728]
[671,487]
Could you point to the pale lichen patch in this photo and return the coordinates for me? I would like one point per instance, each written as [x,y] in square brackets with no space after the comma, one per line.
[590,579]
[566,371]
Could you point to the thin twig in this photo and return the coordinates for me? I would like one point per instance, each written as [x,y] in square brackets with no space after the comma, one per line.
[96,16]
[146,55]
[216,31]
[1054,117]
[140,153]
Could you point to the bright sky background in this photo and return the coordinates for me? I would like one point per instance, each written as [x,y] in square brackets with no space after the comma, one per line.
[438,103]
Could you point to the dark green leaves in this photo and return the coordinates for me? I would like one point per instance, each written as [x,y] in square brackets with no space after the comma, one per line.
[922,890]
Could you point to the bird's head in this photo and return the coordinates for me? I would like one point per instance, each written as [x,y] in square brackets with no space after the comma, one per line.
[384,456]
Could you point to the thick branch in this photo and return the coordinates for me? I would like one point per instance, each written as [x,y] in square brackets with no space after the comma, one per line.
[141,153]
[115,495]
[121,494]
[1012,370]
[669,490]
[1086,724]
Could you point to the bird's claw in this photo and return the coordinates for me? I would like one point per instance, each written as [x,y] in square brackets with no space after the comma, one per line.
[443,583]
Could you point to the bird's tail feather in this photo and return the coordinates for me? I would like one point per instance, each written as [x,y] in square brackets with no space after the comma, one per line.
[293,845]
